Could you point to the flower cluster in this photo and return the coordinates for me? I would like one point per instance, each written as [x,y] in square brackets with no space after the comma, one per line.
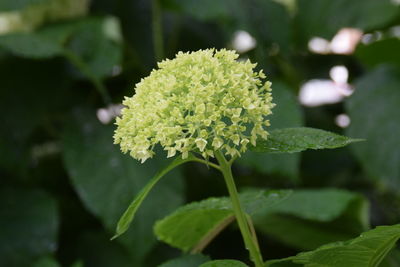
[200,101]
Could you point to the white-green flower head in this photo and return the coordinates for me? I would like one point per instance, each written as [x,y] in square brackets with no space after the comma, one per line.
[197,102]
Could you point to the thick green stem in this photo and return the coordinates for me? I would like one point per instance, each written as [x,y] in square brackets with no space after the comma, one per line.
[157,30]
[248,239]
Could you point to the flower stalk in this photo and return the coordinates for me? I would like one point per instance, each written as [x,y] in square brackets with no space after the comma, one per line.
[250,242]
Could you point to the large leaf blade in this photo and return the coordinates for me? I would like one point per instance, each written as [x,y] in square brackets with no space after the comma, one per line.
[203,220]
[369,249]
[308,219]
[292,140]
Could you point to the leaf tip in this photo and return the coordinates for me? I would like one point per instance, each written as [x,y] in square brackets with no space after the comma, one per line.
[356,140]
[114,237]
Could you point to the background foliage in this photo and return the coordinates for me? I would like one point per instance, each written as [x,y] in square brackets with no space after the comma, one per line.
[64,184]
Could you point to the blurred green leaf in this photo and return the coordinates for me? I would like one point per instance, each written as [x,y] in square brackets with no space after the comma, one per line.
[28,15]
[88,43]
[29,45]
[187,261]
[373,110]
[302,234]
[12,5]
[128,216]
[205,9]
[267,20]
[106,180]
[320,205]
[310,218]
[223,263]
[369,249]
[194,225]
[78,263]
[93,45]
[286,113]
[28,228]
[46,262]
[324,18]
[286,165]
[292,140]
[60,32]
[382,51]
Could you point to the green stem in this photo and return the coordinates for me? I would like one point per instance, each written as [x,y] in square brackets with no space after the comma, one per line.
[157,30]
[97,83]
[248,239]
[215,166]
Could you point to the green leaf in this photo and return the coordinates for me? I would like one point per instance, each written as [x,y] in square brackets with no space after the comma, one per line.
[194,225]
[303,234]
[276,30]
[287,113]
[224,263]
[87,43]
[308,219]
[324,18]
[392,259]
[129,214]
[244,15]
[291,140]
[29,45]
[187,261]
[319,205]
[382,51]
[46,262]
[78,263]
[106,180]
[11,5]
[205,10]
[369,249]
[28,228]
[28,15]
[373,110]
[94,47]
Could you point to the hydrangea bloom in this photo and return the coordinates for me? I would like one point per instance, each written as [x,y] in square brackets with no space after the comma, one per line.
[200,101]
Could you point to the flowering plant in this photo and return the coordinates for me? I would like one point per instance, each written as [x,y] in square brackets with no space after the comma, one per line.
[203,105]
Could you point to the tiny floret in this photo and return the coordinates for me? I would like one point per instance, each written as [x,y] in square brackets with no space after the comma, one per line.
[197,102]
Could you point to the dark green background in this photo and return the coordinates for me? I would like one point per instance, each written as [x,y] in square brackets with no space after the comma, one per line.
[64,184]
